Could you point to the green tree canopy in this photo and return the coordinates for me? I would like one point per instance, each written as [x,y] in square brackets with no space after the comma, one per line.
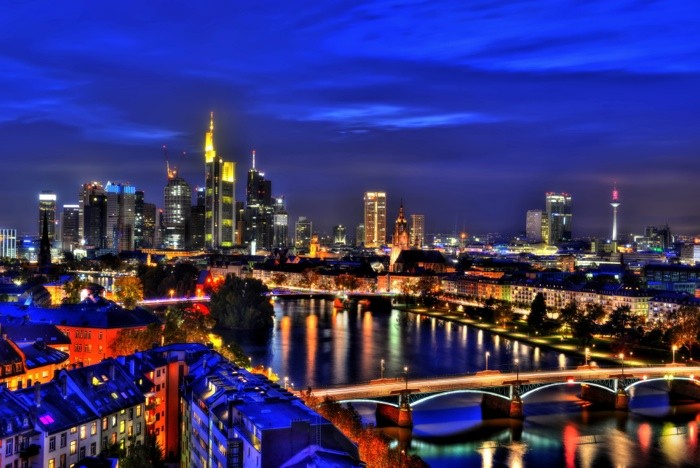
[72,290]
[128,290]
[538,312]
[242,303]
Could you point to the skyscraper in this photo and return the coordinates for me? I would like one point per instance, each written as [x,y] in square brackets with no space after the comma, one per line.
[219,195]
[302,233]
[533,225]
[47,208]
[138,219]
[177,197]
[558,208]
[92,215]
[280,223]
[121,216]
[150,221]
[417,230]
[259,212]
[375,219]
[197,223]
[70,239]
[8,243]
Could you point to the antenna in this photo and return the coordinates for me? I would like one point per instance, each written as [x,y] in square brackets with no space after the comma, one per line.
[171,173]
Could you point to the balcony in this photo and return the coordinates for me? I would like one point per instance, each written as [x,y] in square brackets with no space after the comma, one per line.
[29,451]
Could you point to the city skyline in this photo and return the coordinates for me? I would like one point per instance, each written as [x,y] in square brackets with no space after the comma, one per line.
[475,109]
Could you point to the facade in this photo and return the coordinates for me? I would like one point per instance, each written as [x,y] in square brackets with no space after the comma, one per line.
[177,197]
[417,231]
[121,216]
[197,213]
[8,243]
[533,226]
[375,219]
[559,216]
[92,222]
[302,234]
[280,224]
[259,213]
[360,235]
[690,254]
[219,196]
[70,230]
[47,208]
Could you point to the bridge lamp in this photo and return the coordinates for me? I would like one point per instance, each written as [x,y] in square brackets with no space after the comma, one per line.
[622,363]
[286,380]
[405,372]
[172,293]
[487,360]
[517,370]
[673,353]
[381,369]
[587,356]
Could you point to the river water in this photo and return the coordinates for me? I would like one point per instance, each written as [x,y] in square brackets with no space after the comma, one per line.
[315,345]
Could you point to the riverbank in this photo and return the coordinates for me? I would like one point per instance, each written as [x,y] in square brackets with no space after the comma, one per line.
[599,351]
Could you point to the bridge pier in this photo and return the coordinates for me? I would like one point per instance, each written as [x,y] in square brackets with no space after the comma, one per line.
[401,416]
[618,400]
[496,407]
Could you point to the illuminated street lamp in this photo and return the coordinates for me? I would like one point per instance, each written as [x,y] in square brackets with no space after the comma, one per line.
[587,356]
[405,373]
[172,293]
[381,369]
[487,360]
[286,382]
[622,364]
[250,361]
[517,372]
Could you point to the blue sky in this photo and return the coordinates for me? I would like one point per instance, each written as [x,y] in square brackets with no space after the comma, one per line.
[468,111]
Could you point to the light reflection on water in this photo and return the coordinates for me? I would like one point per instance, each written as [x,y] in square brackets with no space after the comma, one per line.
[316,345]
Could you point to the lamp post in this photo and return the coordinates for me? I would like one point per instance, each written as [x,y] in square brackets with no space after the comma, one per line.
[673,351]
[250,361]
[587,356]
[172,293]
[405,373]
[622,364]
[381,369]
[487,360]
[517,372]
[286,380]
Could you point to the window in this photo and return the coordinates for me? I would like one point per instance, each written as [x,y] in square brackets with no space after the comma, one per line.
[73,430]
[113,438]
[138,411]
[122,426]
[62,461]
[8,447]
[64,438]
[93,428]
[130,432]
[52,444]
[131,414]
[104,424]
[83,432]
[99,336]
[73,447]
[52,463]
[138,428]
[82,453]
[93,449]
[114,420]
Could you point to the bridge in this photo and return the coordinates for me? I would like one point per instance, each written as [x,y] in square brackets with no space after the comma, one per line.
[503,394]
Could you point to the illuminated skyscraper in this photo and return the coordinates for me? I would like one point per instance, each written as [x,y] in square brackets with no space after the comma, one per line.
[417,230]
[302,233]
[92,215]
[47,206]
[177,197]
[558,207]
[280,224]
[375,219]
[198,224]
[121,216]
[219,195]
[70,238]
[8,243]
[259,213]
[533,225]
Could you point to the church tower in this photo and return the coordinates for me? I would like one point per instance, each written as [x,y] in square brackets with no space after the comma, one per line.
[401,239]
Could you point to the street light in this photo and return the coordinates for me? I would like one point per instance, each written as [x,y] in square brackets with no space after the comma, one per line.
[172,293]
[286,380]
[405,372]
[622,363]
[250,361]
[673,350]
[381,369]
[587,356]
[517,372]
[487,360]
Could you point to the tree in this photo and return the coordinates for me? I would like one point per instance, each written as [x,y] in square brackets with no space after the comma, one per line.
[538,312]
[685,327]
[128,290]
[346,282]
[503,312]
[72,290]
[242,303]
[569,314]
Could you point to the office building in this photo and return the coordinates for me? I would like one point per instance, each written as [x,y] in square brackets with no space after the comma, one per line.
[375,219]
[559,216]
[220,199]
[177,198]
[533,225]
[417,230]
[47,208]
[259,213]
[70,230]
[121,216]
[8,243]
[360,235]
[339,236]
[198,224]
[302,234]
[280,224]
[92,223]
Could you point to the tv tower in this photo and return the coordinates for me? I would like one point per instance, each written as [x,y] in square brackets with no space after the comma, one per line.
[614,203]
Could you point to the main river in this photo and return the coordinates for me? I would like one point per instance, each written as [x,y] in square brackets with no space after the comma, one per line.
[315,345]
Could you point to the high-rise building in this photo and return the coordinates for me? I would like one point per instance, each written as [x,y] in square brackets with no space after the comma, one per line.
[375,219]
[177,197]
[339,236]
[70,237]
[533,225]
[8,243]
[47,206]
[259,213]
[220,200]
[121,216]
[359,235]
[138,219]
[559,215]
[417,230]
[615,203]
[92,215]
[302,233]
[198,225]
[280,224]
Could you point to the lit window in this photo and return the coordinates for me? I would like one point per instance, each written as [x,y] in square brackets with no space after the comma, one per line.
[73,447]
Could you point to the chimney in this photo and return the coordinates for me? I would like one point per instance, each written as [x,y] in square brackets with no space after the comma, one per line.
[37,394]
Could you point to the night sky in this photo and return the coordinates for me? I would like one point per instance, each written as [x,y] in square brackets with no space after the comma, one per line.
[469,111]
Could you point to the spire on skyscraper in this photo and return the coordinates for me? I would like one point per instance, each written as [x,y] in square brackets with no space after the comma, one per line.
[253,159]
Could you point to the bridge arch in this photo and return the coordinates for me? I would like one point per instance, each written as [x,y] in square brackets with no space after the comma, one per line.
[453,392]
[368,400]
[666,379]
[568,382]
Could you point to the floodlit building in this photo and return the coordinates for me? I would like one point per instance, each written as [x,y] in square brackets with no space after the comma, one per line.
[559,216]
[219,196]
[375,219]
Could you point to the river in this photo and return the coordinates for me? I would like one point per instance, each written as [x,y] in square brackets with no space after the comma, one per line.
[315,345]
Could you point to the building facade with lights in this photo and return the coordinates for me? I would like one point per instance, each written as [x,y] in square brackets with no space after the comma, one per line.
[220,201]
[375,219]
[559,217]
